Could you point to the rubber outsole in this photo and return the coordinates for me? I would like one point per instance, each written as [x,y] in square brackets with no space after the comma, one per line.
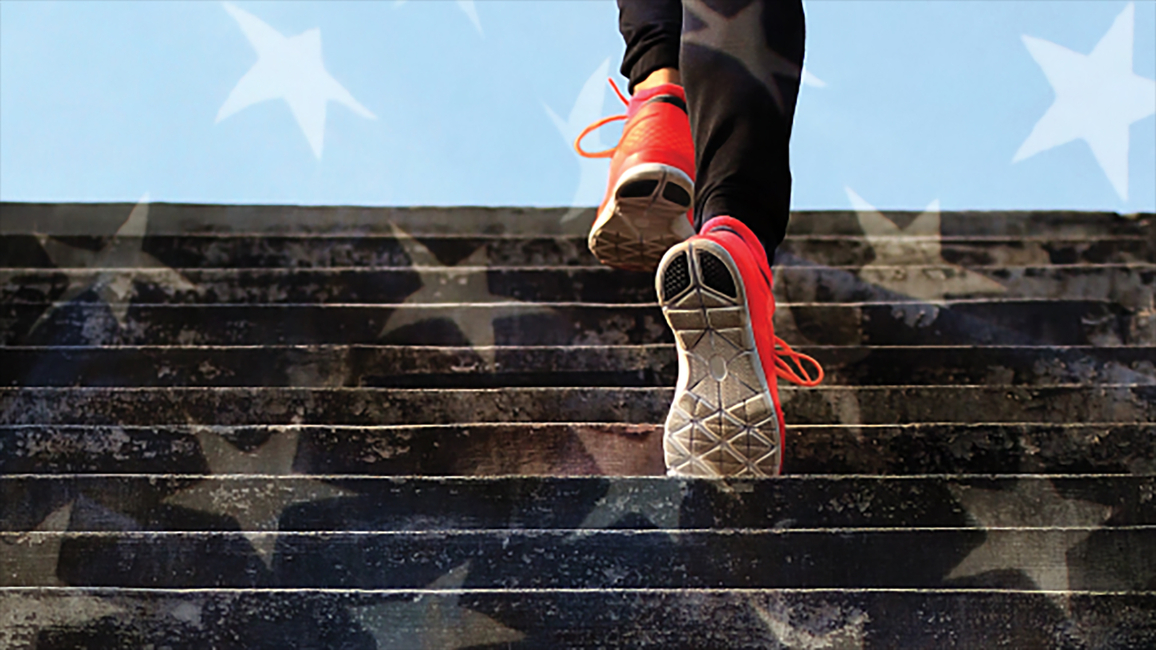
[645,216]
[722,422]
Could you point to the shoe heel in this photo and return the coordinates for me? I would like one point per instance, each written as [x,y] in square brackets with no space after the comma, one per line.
[644,218]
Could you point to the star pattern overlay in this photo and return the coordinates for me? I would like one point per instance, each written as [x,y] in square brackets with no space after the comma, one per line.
[587,109]
[656,501]
[433,621]
[464,283]
[34,564]
[257,508]
[119,264]
[919,244]
[1098,98]
[468,7]
[811,80]
[1031,503]
[792,634]
[1084,85]
[459,609]
[290,69]
[741,37]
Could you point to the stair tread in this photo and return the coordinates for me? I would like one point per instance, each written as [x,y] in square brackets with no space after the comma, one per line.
[534,506]
[611,618]
[329,251]
[176,218]
[1131,286]
[954,322]
[820,405]
[621,365]
[582,449]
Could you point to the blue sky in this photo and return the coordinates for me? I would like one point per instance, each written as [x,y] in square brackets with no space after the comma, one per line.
[911,102]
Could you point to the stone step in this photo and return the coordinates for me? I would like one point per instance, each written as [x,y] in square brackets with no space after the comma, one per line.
[803,532]
[1131,286]
[602,559]
[447,615]
[341,504]
[956,322]
[329,251]
[564,449]
[369,406]
[464,367]
[104,219]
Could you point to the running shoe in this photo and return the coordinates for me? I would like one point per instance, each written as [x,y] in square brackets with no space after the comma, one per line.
[648,199]
[715,291]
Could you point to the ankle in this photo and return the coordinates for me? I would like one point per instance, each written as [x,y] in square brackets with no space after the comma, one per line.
[658,78]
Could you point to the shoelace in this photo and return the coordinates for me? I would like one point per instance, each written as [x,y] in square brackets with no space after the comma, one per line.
[609,153]
[784,369]
[783,351]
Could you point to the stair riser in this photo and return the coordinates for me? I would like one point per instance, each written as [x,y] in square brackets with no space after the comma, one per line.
[399,367]
[211,251]
[102,219]
[575,506]
[594,449]
[976,323]
[689,620]
[1131,287]
[836,405]
[596,560]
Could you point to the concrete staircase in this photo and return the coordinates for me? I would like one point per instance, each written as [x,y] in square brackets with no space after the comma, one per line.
[284,427]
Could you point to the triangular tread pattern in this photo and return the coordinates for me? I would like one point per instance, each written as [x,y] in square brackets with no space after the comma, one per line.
[722,422]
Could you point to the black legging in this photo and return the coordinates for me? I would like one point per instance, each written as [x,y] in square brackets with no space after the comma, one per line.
[741,63]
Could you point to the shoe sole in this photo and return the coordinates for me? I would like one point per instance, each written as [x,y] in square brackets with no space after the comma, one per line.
[644,217]
[722,422]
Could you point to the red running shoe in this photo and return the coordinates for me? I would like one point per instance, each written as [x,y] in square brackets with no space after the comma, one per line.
[648,199]
[715,291]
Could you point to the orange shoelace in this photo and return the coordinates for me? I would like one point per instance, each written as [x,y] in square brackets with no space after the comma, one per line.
[783,352]
[608,153]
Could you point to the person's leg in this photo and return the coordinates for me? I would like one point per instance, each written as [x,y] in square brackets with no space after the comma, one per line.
[652,30]
[741,64]
[646,209]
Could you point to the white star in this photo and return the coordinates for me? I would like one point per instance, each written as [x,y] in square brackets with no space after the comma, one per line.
[622,449]
[897,250]
[1098,97]
[813,81]
[290,69]
[468,8]
[794,635]
[32,562]
[257,507]
[22,615]
[433,621]
[1032,503]
[119,265]
[658,500]
[742,38]
[471,11]
[464,283]
[592,171]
